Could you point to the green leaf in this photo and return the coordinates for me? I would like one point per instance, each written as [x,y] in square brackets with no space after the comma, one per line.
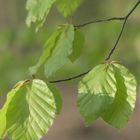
[67,7]
[96,92]
[57,97]
[124,103]
[31,112]
[78,45]
[4,109]
[56,50]
[38,11]
[62,50]
[48,48]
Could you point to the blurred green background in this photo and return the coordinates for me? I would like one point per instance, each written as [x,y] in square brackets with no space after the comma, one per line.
[20,48]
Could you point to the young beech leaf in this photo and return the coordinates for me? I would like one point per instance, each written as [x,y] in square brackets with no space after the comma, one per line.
[56,50]
[48,48]
[31,111]
[57,97]
[78,45]
[121,109]
[38,11]
[67,7]
[96,92]
[61,51]
[4,109]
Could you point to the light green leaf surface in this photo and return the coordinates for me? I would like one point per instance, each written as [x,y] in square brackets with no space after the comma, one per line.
[3,111]
[31,112]
[96,92]
[124,103]
[67,7]
[48,48]
[57,97]
[56,50]
[38,11]
[78,45]
[61,51]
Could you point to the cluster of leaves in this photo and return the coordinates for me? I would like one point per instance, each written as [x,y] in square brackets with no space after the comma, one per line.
[108,91]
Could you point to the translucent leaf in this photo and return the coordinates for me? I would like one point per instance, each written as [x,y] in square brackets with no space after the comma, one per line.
[56,50]
[67,7]
[57,97]
[78,45]
[4,109]
[31,111]
[96,92]
[62,50]
[124,103]
[38,11]
[48,48]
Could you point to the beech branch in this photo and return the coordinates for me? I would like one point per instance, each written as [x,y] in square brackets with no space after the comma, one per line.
[72,78]
[122,29]
[99,21]
[124,19]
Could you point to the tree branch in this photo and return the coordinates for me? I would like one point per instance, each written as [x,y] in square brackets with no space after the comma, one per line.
[116,43]
[71,78]
[122,29]
[98,21]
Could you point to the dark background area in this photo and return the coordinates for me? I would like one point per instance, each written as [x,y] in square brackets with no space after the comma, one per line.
[20,48]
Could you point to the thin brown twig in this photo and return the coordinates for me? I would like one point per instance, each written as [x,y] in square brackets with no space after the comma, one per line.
[71,78]
[122,29]
[99,21]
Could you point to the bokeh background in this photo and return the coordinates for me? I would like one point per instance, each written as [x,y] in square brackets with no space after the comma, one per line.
[20,48]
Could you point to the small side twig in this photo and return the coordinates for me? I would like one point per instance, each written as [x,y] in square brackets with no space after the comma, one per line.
[99,21]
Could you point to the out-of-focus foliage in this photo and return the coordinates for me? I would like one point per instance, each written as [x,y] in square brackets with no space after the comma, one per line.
[38,11]
[67,7]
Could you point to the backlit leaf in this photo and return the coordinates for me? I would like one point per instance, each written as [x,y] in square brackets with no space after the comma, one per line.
[124,103]
[31,112]
[96,92]
[48,47]
[5,107]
